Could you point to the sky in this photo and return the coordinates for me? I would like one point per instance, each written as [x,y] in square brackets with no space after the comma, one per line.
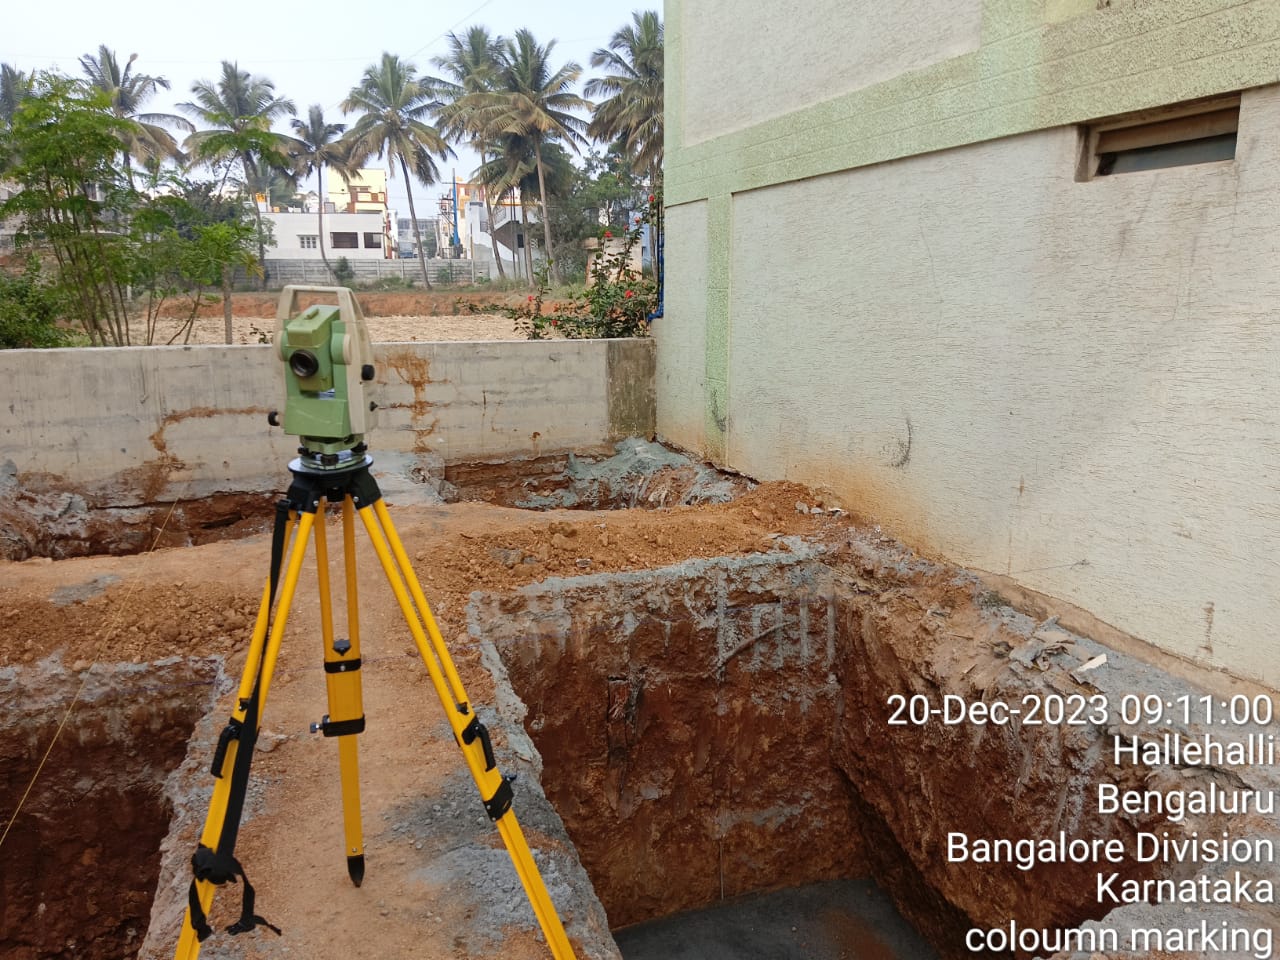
[314,52]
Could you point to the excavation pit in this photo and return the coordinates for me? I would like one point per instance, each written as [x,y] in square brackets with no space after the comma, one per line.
[44,516]
[82,856]
[719,729]
[713,733]
[836,920]
[50,520]
[637,475]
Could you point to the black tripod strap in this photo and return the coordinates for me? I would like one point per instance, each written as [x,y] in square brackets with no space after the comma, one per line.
[278,531]
[220,866]
[207,866]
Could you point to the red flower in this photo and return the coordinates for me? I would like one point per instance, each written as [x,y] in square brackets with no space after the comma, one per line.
[651,198]
[531,298]
[555,323]
[608,234]
[628,294]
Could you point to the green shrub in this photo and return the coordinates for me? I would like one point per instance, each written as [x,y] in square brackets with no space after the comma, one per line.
[617,304]
[30,309]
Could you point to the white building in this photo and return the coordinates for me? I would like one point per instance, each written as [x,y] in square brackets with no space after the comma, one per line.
[8,228]
[356,236]
[405,238]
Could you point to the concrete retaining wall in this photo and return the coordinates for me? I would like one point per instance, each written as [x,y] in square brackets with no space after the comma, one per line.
[136,425]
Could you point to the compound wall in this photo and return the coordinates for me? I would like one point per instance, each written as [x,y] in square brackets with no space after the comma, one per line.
[146,424]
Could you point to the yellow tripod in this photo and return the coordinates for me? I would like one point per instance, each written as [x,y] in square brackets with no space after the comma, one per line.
[298,517]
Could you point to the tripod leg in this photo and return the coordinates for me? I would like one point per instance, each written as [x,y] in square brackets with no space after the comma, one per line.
[260,662]
[495,790]
[342,682]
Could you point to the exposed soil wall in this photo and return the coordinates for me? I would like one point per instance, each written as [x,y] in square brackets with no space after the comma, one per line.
[723,727]
[685,720]
[41,517]
[83,854]
[915,630]
[705,729]
[45,520]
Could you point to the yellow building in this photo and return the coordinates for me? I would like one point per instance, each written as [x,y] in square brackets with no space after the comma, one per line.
[365,192]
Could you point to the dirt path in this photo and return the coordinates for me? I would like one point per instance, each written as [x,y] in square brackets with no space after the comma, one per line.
[483,326]
[400,316]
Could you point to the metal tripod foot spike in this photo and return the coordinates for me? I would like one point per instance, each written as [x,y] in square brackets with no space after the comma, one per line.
[299,518]
[355,869]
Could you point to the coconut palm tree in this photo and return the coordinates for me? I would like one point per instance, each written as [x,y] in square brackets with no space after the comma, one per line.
[394,106]
[534,102]
[145,138]
[317,146]
[631,111]
[237,112]
[15,86]
[511,170]
[470,67]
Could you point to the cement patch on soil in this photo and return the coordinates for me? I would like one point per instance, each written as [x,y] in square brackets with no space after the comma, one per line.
[839,920]
[638,474]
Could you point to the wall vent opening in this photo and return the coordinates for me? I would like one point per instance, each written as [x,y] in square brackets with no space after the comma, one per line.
[1200,131]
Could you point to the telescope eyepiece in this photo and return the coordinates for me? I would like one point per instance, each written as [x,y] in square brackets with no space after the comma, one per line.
[303,363]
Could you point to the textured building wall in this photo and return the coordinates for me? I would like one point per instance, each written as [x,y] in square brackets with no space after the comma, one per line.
[681,377]
[1038,65]
[746,67]
[1071,383]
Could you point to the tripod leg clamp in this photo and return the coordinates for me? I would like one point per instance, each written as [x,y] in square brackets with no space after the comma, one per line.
[211,867]
[498,805]
[230,732]
[338,728]
[477,730]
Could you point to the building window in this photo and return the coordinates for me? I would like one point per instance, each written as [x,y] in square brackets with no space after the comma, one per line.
[344,241]
[373,241]
[308,241]
[1202,131]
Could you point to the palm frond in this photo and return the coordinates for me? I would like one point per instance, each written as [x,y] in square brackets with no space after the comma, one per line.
[631,111]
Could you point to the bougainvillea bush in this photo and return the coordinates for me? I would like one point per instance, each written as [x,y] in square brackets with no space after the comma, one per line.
[617,303]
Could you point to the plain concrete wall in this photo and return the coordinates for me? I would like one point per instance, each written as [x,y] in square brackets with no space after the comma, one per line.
[1070,383]
[145,424]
